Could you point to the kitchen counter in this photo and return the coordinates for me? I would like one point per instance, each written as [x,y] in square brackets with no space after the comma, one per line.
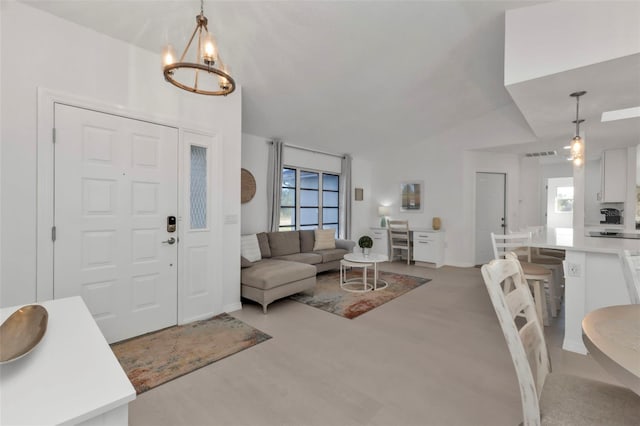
[70,377]
[593,275]
[570,239]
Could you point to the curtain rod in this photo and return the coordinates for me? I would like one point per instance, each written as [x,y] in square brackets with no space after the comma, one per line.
[301,148]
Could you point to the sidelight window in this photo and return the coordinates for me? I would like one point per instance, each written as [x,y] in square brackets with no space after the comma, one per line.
[198,187]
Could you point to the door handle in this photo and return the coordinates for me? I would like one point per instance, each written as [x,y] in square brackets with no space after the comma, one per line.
[170,241]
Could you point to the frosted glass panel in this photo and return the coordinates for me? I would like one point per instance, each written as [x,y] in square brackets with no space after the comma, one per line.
[198,187]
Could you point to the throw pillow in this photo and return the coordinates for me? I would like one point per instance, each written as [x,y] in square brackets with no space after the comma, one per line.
[249,248]
[307,240]
[325,239]
[263,242]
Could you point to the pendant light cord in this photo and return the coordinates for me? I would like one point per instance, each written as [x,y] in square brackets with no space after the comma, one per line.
[577,116]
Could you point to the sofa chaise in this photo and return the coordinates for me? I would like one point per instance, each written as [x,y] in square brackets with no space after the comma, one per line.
[288,262]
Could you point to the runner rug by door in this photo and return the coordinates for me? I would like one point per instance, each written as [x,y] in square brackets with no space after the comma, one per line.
[156,358]
[329,297]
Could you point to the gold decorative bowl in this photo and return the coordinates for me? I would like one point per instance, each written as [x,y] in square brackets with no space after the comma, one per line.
[22,332]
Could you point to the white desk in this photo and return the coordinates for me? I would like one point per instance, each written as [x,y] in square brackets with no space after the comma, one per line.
[428,245]
[71,377]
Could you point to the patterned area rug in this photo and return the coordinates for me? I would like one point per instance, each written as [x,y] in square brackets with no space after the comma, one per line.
[156,358]
[329,297]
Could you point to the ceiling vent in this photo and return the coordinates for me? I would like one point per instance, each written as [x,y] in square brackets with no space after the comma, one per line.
[541,154]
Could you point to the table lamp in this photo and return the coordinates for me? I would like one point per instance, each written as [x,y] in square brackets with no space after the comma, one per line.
[383,212]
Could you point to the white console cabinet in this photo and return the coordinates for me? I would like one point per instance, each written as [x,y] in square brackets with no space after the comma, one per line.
[428,247]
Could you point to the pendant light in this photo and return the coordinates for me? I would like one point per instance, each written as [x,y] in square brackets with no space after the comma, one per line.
[577,143]
[207,74]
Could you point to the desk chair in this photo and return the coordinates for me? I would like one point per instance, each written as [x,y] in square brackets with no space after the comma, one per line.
[536,275]
[548,398]
[399,238]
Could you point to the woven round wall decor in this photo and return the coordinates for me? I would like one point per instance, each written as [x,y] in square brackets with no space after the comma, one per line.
[247,186]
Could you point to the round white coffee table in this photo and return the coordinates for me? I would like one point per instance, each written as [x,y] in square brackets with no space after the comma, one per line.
[371,258]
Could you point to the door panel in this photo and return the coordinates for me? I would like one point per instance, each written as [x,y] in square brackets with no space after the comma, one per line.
[490,213]
[115,184]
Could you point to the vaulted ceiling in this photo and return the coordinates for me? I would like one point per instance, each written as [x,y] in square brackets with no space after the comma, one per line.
[361,77]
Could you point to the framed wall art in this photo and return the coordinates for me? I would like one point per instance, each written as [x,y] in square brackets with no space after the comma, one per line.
[411,196]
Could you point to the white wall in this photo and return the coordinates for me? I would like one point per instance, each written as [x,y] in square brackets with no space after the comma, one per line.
[255,155]
[58,55]
[1,145]
[549,38]
[529,206]
[362,173]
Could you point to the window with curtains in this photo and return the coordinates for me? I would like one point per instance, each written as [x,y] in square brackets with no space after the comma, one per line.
[309,199]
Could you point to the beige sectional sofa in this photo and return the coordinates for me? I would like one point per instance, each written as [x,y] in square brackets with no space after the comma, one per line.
[289,265]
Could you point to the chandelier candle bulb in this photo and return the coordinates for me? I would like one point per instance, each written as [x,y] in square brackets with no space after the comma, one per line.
[168,55]
[209,49]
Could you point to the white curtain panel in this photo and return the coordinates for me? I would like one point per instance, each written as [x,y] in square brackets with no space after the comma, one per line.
[274,184]
[345,195]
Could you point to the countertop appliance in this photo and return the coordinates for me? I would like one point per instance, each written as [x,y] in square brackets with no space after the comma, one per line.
[611,216]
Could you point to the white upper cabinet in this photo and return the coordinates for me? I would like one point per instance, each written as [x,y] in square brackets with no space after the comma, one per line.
[614,176]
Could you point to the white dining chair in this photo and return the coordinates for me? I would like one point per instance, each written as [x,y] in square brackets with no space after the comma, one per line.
[549,398]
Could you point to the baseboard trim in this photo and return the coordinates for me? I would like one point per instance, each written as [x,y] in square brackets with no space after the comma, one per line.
[200,317]
[461,265]
[574,346]
[232,307]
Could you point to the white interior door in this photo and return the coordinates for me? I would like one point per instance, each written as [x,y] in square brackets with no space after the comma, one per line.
[490,212]
[560,202]
[116,182]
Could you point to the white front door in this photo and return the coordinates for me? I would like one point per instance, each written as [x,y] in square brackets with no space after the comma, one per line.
[490,213]
[116,182]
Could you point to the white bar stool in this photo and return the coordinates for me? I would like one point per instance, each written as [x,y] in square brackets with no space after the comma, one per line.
[352,283]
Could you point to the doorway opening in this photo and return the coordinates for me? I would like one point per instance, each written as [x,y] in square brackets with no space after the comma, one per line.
[559,212]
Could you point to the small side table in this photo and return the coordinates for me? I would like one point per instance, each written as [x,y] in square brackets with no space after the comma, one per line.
[352,283]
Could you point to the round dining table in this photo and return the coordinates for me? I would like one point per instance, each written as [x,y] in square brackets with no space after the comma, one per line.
[612,336]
